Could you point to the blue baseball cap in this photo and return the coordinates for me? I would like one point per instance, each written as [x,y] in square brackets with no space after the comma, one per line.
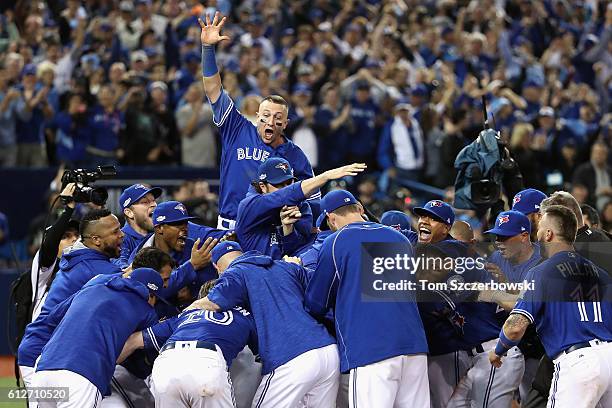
[528,201]
[135,192]
[149,277]
[396,219]
[223,248]
[438,210]
[510,223]
[275,170]
[169,212]
[336,199]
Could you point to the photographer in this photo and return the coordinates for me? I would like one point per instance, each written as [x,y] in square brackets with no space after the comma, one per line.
[62,234]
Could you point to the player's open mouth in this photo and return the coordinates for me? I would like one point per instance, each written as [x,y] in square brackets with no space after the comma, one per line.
[424,234]
[181,240]
[269,133]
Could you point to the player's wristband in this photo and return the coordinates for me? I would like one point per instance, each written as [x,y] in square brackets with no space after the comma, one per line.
[504,344]
[209,62]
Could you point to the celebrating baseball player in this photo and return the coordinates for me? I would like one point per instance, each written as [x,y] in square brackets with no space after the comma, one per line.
[244,146]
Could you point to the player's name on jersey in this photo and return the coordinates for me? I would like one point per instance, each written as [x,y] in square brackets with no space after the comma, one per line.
[452,285]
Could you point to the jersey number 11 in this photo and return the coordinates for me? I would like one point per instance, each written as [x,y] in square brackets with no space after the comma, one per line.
[584,317]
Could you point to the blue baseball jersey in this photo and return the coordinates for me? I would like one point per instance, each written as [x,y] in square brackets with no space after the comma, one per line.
[77,267]
[242,153]
[89,325]
[274,292]
[516,272]
[570,304]
[231,330]
[337,283]
[311,255]
[131,240]
[258,220]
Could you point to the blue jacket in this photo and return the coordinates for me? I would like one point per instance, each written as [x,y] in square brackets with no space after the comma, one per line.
[258,219]
[274,293]
[90,327]
[342,280]
[195,231]
[77,267]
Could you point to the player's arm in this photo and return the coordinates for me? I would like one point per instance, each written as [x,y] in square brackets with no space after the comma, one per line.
[509,336]
[321,290]
[503,299]
[229,292]
[311,185]
[210,36]
[133,343]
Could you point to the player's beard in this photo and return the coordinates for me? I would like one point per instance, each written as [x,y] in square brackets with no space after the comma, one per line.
[144,222]
[113,251]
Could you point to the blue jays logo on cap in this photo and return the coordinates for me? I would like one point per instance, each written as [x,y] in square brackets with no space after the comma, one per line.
[503,219]
[135,192]
[181,208]
[283,166]
[517,199]
[510,223]
[436,203]
[170,212]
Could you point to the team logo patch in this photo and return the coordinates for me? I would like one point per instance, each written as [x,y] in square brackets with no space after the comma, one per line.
[346,199]
[127,202]
[436,203]
[503,219]
[283,166]
[152,286]
[263,176]
[181,208]
[140,186]
[517,198]
[160,218]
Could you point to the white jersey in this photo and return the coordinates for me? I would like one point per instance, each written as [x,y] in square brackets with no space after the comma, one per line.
[38,297]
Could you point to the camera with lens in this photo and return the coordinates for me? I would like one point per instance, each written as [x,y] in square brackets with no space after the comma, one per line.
[484,170]
[83,192]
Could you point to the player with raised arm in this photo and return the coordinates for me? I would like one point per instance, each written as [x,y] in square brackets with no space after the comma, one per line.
[570,306]
[244,146]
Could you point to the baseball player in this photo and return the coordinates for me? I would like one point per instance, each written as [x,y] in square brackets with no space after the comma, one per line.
[244,146]
[137,203]
[88,322]
[170,220]
[258,213]
[195,349]
[512,261]
[528,202]
[447,361]
[382,344]
[300,358]
[101,239]
[570,306]
[401,222]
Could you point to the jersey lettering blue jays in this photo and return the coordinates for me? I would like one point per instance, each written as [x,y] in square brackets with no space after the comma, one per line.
[242,153]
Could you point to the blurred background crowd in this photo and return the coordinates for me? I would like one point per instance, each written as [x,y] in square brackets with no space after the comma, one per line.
[397,84]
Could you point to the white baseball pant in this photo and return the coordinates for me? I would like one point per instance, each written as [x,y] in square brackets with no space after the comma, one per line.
[396,382]
[583,378]
[445,371]
[26,375]
[309,380]
[245,373]
[128,391]
[81,392]
[342,399]
[192,378]
[487,386]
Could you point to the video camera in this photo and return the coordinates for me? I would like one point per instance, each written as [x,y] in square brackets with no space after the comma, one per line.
[484,168]
[83,192]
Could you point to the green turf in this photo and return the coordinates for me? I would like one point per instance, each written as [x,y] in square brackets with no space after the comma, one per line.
[5,383]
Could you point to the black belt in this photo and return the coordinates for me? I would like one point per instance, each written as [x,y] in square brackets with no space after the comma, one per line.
[577,347]
[200,344]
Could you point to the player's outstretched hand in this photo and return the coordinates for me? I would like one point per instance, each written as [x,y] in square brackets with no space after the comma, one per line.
[200,254]
[349,170]
[494,359]
[211,31]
